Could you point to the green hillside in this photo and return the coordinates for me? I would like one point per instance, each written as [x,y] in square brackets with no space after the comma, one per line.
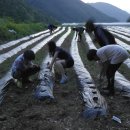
[23,19]
[20,29]
[70,10]
[20,11]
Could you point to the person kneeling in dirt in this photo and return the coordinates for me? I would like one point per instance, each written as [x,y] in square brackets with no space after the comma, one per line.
[23,67]
[61,58]
[79,32]
[111,57]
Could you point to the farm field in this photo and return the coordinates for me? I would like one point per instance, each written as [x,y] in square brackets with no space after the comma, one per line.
[19,110]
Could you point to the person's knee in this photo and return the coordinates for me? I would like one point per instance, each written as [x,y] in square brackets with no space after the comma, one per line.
[58,64]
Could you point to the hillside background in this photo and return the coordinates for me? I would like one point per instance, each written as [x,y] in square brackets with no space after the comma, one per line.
[70,10]
[20,11]
[31,16]
[54,11]
[111,11]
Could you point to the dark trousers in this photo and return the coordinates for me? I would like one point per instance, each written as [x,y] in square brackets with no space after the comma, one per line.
[110,73]
[28,72]
[80,36]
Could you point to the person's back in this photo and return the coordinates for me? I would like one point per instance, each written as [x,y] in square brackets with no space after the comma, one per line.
[80,29]
[51,27]
[103,36]
[113,53]
[23,68]
[63,54]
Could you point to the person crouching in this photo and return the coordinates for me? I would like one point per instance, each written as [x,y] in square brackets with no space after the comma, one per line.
[61,58]
[23,67]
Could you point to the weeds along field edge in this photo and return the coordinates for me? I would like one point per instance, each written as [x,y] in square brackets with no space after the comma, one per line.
[7,63]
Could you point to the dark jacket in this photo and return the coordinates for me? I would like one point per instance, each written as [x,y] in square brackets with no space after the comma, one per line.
[103,36]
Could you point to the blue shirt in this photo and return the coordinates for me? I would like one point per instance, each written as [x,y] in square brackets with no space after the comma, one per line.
[20,64]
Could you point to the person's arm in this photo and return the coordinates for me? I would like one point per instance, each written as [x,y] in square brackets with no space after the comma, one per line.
[53,60]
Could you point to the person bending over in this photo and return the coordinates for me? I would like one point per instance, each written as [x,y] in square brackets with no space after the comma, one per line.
[111,57]
[79,32]
[51,27]
[102,36]
[23,68]
[61,58]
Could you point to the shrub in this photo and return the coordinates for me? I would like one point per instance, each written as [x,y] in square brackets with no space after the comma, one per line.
[21,29]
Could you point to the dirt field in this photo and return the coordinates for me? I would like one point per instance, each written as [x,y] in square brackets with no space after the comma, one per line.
[21,111]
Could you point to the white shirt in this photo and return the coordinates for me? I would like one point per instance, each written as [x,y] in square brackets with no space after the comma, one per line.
[113,53]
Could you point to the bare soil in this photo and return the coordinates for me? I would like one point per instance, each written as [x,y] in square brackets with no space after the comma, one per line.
[21,111]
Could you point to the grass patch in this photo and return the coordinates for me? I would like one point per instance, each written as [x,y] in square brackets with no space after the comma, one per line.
[6,65]
[21,29]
